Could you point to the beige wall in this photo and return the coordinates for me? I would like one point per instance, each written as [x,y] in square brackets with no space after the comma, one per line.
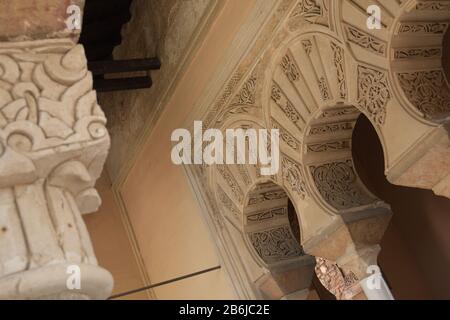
[169,229]
[111,244]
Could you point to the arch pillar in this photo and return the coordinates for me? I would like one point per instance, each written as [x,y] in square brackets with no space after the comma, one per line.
[288,282]
[352,242]
[53,144]
[427,164]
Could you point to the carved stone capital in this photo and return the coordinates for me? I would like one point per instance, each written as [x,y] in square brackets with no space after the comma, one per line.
[53,144]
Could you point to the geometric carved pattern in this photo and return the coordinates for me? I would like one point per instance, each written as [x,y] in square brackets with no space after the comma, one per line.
[333,279]
[336,183]
[408,53]
[330,146]
[286,136]
[339,62]
[433,5]
[365,40]
[331,128]
[275,245]
[373,93]
[423,28]
[286,106]
[247,94]
[226,201]
[340,111]
[290,67]
[428,91]
[266,196]
[267,214]
[360,78]
[244,174]
[48,99]
[231,181]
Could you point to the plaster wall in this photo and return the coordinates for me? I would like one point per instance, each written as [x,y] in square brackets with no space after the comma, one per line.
[167,223]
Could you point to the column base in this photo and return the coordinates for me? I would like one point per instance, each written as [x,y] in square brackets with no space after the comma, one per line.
[50,282]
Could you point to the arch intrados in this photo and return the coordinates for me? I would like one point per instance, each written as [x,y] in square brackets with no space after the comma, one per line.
[396,45]
[246,230]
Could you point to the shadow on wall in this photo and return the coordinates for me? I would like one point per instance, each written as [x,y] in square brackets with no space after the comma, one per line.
[415,254]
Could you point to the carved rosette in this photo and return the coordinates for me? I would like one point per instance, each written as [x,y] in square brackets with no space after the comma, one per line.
[53,144]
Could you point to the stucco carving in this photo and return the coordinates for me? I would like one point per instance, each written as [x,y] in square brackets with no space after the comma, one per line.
[373,93]
[346,70]
[293,176]
[267,214]
[53,146]
[339,63]
[275,245]
[365,40]
[268,227]
[312,11]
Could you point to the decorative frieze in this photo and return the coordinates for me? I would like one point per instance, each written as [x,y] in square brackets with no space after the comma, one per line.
[246,95]
[417,53]
[430,5]
[260,197]
[331,128]
[293,177]
[339,63]
[423,28]
[339,111]
[329,146]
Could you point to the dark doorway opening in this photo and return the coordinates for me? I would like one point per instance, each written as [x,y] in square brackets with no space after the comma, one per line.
[415,254]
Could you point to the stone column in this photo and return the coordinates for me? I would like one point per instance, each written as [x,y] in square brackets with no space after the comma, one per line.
[53,144]
[351,248]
